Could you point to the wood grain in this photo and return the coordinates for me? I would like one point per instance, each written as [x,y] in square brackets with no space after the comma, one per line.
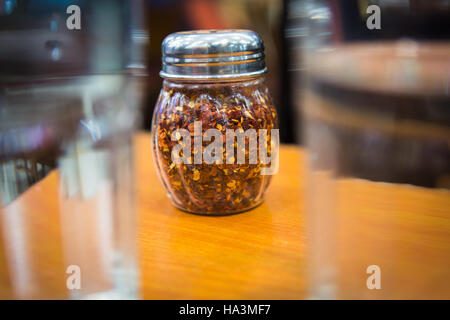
[259,254]
[403,229]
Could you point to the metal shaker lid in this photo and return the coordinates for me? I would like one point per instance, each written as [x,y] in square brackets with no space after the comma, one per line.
[212,55]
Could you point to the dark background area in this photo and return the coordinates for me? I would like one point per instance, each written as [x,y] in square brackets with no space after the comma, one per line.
[266,17]
[280,25]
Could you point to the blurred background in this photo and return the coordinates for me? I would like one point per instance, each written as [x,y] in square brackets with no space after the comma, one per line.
[266,17]
[281,24]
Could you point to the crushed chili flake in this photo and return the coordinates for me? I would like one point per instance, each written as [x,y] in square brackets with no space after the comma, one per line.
[217,188]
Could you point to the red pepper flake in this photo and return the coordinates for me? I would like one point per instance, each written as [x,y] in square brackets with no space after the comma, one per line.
[217,188]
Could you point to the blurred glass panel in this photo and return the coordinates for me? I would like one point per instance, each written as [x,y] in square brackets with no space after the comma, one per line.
[376,124]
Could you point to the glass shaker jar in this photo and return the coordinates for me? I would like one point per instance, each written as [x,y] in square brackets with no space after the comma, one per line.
[214,130]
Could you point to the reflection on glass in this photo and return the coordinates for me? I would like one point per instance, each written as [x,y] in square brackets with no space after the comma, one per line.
[377,130]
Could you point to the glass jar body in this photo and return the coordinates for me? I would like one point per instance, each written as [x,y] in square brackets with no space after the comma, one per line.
[210,176]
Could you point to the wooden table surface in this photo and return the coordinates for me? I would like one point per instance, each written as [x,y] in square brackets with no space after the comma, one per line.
[259,254]
[256,254]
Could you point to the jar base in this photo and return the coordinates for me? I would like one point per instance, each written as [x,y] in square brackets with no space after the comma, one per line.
[220,213]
